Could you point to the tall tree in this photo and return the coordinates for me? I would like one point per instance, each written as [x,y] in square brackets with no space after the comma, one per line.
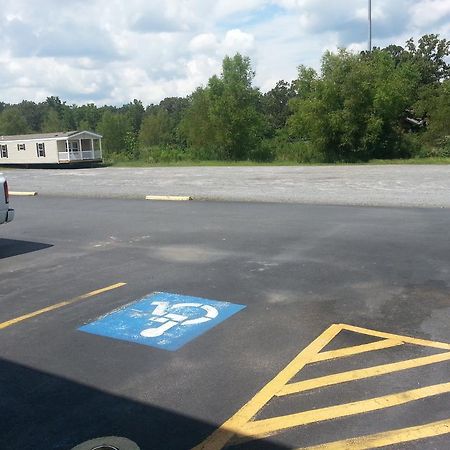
[197,127]
[52,122]
[275,105]
[12,122]
[353,110]
[135,113]
[33,114]
[233,109]
[437,134]
[87,116]
[156,129]
[430,57]
[115,129]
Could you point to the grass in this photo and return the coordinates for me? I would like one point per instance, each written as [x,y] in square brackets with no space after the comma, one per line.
[207,163]
[412,161]
[139,163]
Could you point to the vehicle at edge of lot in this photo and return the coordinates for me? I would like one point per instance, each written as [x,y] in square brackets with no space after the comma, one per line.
[6,213]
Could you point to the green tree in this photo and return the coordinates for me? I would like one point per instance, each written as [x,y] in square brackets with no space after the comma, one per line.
[55,103]
[12,122]
[275,105]
[33,114]
[68,119]
[135,113]
[115,129]
[353,110]
[427,113]
[87,116]
[52,122]
[437,134]
[156,129]
[429,56]
[198,128]
[231,124]
[234,108]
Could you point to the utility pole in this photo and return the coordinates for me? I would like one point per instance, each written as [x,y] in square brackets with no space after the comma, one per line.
[370,25]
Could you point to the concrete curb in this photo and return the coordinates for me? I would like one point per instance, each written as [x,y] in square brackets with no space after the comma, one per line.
[23,194]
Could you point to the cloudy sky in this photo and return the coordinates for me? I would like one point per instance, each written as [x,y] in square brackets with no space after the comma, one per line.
[111,51]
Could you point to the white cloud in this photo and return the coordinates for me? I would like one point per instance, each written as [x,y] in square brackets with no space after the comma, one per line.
[204,43]
[237,41]
[427,12]
[110,51]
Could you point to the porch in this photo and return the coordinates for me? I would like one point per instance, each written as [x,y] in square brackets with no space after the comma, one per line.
[89,149]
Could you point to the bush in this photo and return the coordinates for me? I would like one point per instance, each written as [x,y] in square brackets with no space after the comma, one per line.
[157,154]
[265,152]
[301,152]
[204,154]
[442,150]
[113,157]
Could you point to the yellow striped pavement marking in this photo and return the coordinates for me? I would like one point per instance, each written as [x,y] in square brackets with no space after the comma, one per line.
[355,350]
[266,427]
[11,322]
[392,437]
[242,426]
[360,374]
[234,425]
[405,339]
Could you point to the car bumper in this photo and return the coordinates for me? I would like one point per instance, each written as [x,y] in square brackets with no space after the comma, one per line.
[10,215]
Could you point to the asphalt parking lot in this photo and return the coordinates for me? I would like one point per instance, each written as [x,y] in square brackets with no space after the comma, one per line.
[321,325]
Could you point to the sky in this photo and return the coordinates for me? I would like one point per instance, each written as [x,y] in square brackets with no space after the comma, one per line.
[113,51]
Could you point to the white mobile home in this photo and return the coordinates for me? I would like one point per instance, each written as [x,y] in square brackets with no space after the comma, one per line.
[51,148]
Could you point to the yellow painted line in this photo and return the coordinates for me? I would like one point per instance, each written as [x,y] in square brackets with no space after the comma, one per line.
[266,427]
[241,427]
[405,339]
[23,194]
[176,198]
[11,322]
[388,438]
[350,351]
[361,374]
[236,423]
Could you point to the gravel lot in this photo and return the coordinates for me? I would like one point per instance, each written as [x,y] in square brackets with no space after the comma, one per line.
[395,185]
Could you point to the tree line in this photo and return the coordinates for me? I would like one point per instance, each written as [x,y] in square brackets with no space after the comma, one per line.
[393,102]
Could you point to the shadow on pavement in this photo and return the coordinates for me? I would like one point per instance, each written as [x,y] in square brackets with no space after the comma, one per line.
[12,247]
[39,411]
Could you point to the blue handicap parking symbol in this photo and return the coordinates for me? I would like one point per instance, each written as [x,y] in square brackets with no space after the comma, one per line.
[163,320]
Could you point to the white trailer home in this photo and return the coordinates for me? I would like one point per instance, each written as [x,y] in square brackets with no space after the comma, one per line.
[51,148]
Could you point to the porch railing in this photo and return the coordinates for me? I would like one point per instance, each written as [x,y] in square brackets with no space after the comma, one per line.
[80,156]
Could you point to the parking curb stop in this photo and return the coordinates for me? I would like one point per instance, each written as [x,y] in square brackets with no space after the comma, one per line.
[169,197]
[23,193]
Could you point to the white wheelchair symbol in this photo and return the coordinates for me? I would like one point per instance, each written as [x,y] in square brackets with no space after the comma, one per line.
[169,320]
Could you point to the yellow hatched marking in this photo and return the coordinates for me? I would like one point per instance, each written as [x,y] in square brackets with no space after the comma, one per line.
[388,438]
[355,350]
[234,425]
[405,339]
[242,427]
[11,322]
[265,427]
[360,374]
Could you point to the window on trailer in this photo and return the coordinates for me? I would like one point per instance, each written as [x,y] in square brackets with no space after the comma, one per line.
[40,149]
[3,151]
